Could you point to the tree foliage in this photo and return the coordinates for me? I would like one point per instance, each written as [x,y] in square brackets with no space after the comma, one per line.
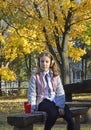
[42,24]
[87,34]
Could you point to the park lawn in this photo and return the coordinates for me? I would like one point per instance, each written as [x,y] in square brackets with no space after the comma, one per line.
[7,127]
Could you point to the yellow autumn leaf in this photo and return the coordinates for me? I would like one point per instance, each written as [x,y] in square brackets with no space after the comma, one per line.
[7,74]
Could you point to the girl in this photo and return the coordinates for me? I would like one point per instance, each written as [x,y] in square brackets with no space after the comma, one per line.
[46,92]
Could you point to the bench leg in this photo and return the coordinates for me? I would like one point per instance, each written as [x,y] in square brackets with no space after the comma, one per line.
[77,122]
[25,128]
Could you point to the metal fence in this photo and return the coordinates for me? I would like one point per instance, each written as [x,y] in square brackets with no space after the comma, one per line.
[12,88]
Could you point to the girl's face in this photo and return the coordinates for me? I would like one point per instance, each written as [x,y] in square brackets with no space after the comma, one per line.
[45,63]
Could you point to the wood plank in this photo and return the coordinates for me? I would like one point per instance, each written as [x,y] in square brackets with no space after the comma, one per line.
[81,100]
[78,110]
[79,104]
[81,87]
[22,120]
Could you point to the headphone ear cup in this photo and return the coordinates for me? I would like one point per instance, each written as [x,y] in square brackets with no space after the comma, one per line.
[52,63]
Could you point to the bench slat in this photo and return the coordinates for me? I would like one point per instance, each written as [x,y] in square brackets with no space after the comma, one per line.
[22,120]
[78,104]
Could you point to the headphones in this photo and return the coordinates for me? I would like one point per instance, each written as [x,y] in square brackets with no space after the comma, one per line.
[52,62]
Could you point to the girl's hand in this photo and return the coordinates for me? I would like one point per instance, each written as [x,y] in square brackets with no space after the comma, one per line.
[61,111]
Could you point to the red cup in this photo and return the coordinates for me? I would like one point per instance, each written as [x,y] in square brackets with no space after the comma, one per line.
[27,107]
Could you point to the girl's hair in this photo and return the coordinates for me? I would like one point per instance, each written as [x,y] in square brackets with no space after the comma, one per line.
[53,65]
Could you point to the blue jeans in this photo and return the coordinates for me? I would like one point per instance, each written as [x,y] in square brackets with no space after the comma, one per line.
[52,111]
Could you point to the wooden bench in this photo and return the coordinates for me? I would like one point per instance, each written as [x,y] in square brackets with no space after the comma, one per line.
[79,95]
[26,121]
[83,87]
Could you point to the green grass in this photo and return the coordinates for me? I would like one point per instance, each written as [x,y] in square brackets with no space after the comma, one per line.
[3,123]
[63,127]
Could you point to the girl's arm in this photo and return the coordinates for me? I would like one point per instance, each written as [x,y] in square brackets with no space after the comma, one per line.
[32,92]
[60,94]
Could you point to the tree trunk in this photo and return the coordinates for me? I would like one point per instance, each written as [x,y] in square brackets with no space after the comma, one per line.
[65,69]
[83,74]
[28,64]
[0,87]
[65,60]
[0,78]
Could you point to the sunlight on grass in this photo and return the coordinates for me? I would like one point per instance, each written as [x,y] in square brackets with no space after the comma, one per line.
[5,126]
[63,127]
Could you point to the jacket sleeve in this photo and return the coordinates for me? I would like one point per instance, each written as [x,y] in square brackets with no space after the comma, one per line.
[60,94]
[32,92]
